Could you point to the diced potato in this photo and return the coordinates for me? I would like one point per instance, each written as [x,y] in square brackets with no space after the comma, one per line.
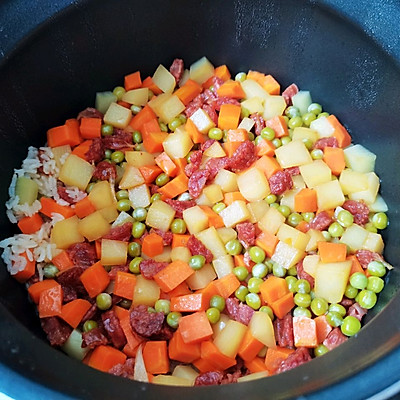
[368,195]
[209,237]
[253,105]
[181,253]
[202,121]
[66,233]
[122,218]
[302,100]
[354,236]
[379,205]
[315,173]
[164,79]
[215,151]
[293,154]
[235,213]
[253,184]
[167,106]
[227,180]
[186,372]
[165,256]
[27,190]
[252,89]
[146,292]
[374,243]
[139,158]
[203,200]
[223,265]
[298,182]
[103,100]
[138,97]
[323,127]
[178,143]
[286,256]
[60,152]
[196,219]
[110,213]
[102,195]
[226,234]
[253,376]
[331,280]
[287,198]
[139,196]
[213,193]
[113,252]
[352,181]
[160,215]
[329,195]
[76,172]
[271,221]
[94,226]
[301,133]
[257,210]
[170,380]
[359,159]
[73,346]
[117,116]
[201,278]
[246,123]
[217,328]
[273,106]
[262,329]
[315,237]
[310,264]
[131,178]
[229,339]
[293,237]
[201,70]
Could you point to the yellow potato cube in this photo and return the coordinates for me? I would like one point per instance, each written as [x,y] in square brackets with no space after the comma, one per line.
[298,182]
[196,219]
[287,198]
[146,292]
[139,158]
[178,143]
[139,196]
[209,237]
[165,256]
[226,234]
[310,264]
[201,278]
[253,184]
[370,194]
[235,213]
[94,226]
[360,159]
[66,232]
[329,195]
[227,180]
[273,106]
[203,200]
[139,97]
[271,221]
[122,218]
[246,123]
[76,172]
[160,215]
[186,372]
[170,380]
[223,265]
[201,70]
[164,79]
[131,178]
[257,210]
[315,173]
[213,193]
[181,253]
[374,243]
[286,256]
[293,237]
[323,127]
[293,154]
[252,89]
[253,376]
[117,116]
[253,105]
[354,236]
[315,237]
[301,133]
[60,152]
[229,339]
[110,213]
[167,106]
[215,151]
[262,329]
[113,252]
[202,121]
[102,195]
[353,181]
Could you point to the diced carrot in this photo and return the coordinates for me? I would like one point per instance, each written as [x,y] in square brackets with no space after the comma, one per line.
[230,197]
[74,311]
[264,148]
[334,158]
[323,328]
[149,83]
[237,135]
[144,115]
[62,135]
[153,141]
[194,133]
[95,279]
[150,173]
[304,332]
[152,245]
[303,226]
[150,126]
[124,104]
[90,128]
[227,285]
[30,224]
[306,200]
[132,81]
[72,125]
[340,132]
[179,240]
[124,285]
[181,290]
[268,165]
[278,124]
[204,365]
[27,272]
[104,358]
[180,351]
[267,82]
[84,207]
[273,289]
[231,147]
[188,91]
[97,246]
[50,206]
[250,347]
[238,260]
[228,117]
[267,241]
[195,327]
[211,354]
[189,303]
[50,302]
[283,305]
[82,149]
[181,164]
[257,364]
[62,261]
[213,218]
[222,72]
[37,288]
[172,275]
[275,356]
[209,291]
[163,160]
[174,187]
[332,252]
[355,265]
[231,89]
[155,356]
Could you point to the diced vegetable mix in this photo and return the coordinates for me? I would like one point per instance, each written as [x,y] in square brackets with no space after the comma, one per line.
[204,220]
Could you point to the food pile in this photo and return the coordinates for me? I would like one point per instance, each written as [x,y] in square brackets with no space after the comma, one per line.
[198,229]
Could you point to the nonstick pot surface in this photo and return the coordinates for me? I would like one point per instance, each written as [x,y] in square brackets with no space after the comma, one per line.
[55,72]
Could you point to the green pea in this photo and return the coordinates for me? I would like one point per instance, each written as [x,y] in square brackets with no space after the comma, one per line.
[135,109]
[260,270]
[370,227]
[291,282]
[308,118]
[254,284]
[366,299]
[155,197]
[350,326]
[375,284]
[257,254]
[125,303]
[358,280]
[277,142]
[107,154]
[178,226]
[327,236]
[267,133]
[295,122]
[312,294]
[250,136]
[320,350]
[218,207]
[215,133]
[241,292]
[240,272]
[162,179]
[213,315]
[138,229]
[285,140]
[50,271]
[268,310]
[315,108]
[244,113]
[117,157]
[319,306]
[137,137]
[376,268]
[292,271]
[107,130]
[258,140]
[302,299]
[119,91]
[271,198]
[284,210]
[139,214]
[253,300]
[308,216]
[233,247]
[278,270]
[350,292]
[217,302]
[292,112]
[334,318]
[308,143]
[90,187]
[337,308]
[294,219]
[103,301]
[345,218]
[123,205]
[275,205]
[134,265]
[197,262]
[301,312]
[335,229]
[122,194]
[173,319]
[174,124]
[163,306]
[241,76]
[317,154]
[163,126]
[380,220]
[89,325]
[182,118]
[134,249]
[323,115]
[303,286]
[139,147]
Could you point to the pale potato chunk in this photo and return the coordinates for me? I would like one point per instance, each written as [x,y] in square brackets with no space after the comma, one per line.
[113,252]
[370,194]
[315,173]
[131,178]
[181,253]
[246,123]
[229,339]
[203,200]
[298,182]
[201,70]
[167,106]
[103,100]
[202,121]
[210,238]
[178,144]
[359,159]
[287,198]
[329,195]
[286,256]
[66,232]
[213,193]
[226,234]
[186,372]
[253,89]
[253,105]
[146,292]
[201,278]
[271,221]
[257,210]
[352,181]
[227,180]
[354,236]
[160,215]
[293,237]
[138,97]
[165,256]
[164,79]
[379,205]
[139,196]
[302,100]
[235,213]
[102,195]
[262,329]
[310,264]
[293,154]
[273,106]
[170,380]
[139,158]
[253,184]
[60,152]
[76,172]
[94,226]
[323,127]
[374,243]
[196,219]
[109,213]
[118,116]
[223,265]
[301,133]
[122,218]
[315,237]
